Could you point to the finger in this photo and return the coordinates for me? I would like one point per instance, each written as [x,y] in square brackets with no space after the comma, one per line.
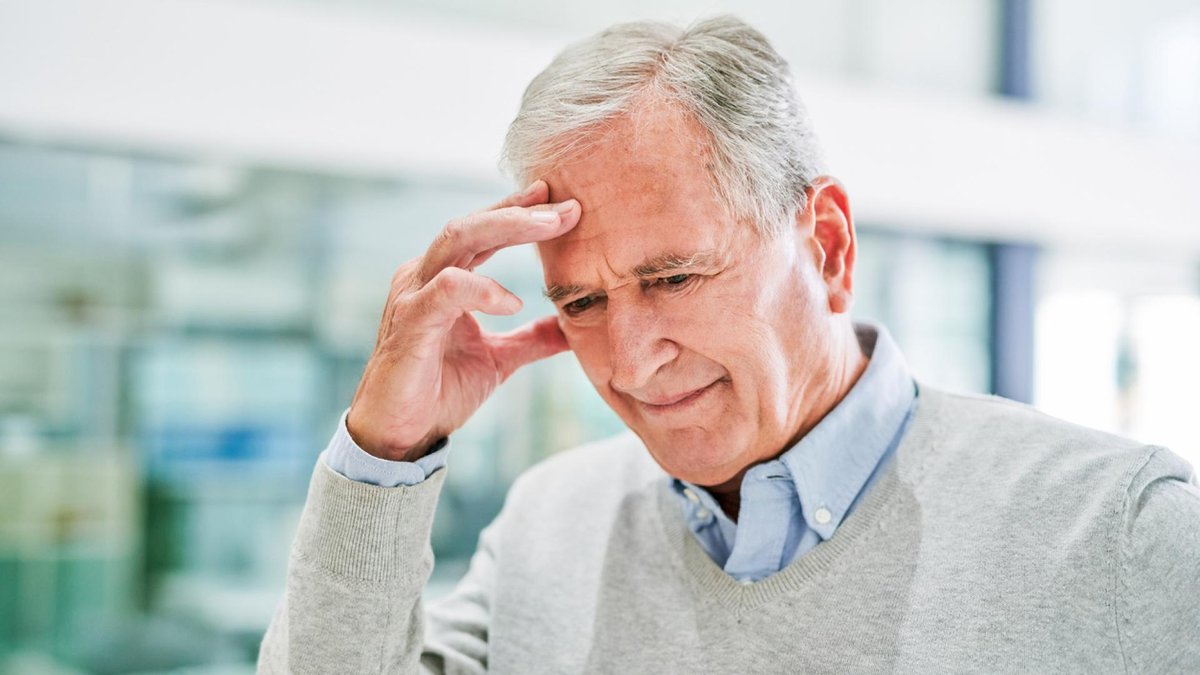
[481,258]
[535,340]
[537,192]
[455,291]
[465,239]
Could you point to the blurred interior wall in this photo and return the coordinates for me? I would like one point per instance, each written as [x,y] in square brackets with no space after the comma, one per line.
[320,86]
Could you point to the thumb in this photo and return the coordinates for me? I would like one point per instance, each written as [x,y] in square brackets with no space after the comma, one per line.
[535,340]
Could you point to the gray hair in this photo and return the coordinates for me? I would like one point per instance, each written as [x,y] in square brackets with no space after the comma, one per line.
[720,70]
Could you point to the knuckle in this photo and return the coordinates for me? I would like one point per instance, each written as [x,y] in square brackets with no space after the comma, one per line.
[458,230]
[449,281]
[452,230]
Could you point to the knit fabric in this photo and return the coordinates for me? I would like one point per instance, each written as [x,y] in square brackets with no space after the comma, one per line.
[998,539]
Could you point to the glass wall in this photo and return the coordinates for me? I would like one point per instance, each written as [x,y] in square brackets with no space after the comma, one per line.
[1116,345]
[179,341]
[1116,328]
[934,295]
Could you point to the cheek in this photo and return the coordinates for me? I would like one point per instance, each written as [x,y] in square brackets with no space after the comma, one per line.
[755,341]
[751,358]
[590,345]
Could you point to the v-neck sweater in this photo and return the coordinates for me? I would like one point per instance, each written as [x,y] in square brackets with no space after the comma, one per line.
[998,539]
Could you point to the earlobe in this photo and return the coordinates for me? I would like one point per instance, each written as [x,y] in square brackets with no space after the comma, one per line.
[839,302]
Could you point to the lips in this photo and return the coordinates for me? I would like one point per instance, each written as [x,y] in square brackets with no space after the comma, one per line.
[663,401]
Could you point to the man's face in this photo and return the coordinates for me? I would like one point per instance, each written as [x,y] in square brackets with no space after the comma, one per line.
[706,339]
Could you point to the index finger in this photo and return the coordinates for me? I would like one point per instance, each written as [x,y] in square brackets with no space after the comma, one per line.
[465,242]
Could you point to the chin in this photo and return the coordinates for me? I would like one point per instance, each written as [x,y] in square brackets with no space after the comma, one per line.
[694,455]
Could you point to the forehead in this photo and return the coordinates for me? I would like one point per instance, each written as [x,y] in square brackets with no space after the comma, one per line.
[644,189]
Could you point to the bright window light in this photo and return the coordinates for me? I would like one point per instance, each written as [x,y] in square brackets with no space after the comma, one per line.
[1077,339]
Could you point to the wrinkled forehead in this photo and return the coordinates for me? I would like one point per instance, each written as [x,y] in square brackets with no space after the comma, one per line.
[634,202]
[644,186]
[653,164]
[645,224]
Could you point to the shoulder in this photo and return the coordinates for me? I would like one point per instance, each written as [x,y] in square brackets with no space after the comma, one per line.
[999,445]
[992,425]
[1011,420]
[1162,508]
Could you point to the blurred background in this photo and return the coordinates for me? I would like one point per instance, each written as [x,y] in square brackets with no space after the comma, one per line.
[202,202]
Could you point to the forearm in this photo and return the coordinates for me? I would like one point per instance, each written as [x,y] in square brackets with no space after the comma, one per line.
[357,571]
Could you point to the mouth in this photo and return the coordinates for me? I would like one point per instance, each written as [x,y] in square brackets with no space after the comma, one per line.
[679,402]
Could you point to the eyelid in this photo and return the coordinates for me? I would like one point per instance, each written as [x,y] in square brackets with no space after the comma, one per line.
[566,306]
[689,277]
[662,281]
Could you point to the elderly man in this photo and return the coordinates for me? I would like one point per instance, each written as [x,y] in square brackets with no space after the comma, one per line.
[789,498]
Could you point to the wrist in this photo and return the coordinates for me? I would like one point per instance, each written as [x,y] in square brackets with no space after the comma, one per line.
[390,451]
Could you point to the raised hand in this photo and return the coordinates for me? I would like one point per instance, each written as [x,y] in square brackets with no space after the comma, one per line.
[433,366]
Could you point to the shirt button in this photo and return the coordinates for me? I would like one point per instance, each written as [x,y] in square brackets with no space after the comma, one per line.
[691,495]
[702,514]
[823,516]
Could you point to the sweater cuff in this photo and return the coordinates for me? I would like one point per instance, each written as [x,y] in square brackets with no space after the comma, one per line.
[367,532]
[345,457]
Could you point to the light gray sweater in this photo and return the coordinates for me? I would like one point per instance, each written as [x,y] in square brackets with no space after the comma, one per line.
[998,540]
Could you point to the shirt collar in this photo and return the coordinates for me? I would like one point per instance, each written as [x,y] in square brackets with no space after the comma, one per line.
[830,465]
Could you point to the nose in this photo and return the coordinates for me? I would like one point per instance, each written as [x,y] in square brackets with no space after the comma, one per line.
[637,346]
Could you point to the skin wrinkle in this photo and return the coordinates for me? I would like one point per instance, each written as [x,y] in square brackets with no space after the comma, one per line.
[698,261]
[767,328]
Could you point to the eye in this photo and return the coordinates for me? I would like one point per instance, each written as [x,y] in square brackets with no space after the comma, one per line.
[577,306]
[676,279]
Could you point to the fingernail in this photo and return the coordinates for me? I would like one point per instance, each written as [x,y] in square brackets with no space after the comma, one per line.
[544,217]
[529,189]
[565,207]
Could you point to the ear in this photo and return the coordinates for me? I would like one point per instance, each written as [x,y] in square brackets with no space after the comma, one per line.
[827,220]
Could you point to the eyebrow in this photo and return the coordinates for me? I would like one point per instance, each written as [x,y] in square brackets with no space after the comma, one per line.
[557,292]
[663,262]
[670,262]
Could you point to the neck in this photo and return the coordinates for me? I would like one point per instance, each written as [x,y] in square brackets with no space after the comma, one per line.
[848,364]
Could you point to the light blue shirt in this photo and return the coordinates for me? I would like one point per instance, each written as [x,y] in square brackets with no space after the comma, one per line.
[345,457]
[799,499]
[788,504]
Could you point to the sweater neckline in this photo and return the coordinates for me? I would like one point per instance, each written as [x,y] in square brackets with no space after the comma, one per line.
[714,583]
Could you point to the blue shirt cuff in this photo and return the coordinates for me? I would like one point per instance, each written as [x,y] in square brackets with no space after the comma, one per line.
[345,457]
